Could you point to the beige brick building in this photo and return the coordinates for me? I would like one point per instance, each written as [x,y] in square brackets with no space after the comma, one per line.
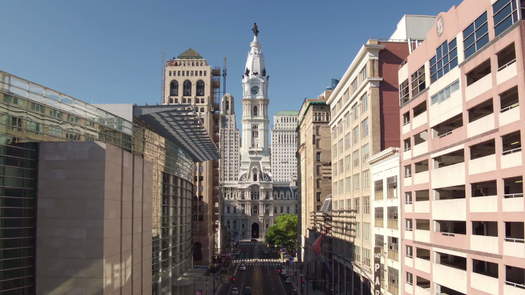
[189,79]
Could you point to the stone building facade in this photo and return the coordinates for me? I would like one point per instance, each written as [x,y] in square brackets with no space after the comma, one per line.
[253,199]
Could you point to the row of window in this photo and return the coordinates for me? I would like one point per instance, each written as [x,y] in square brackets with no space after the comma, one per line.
[358,80]
[187,73]
[510,143]
[512,188]
[187,63]
[351,116]
[186,100]
[344,144]
[187,88]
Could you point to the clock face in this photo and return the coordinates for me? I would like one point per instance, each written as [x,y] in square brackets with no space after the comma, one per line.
[255,90]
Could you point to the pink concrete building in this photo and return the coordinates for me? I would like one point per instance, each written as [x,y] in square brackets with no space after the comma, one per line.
[461,162]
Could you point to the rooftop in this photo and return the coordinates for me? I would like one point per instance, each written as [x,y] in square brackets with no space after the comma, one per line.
[190,54]
[287,113]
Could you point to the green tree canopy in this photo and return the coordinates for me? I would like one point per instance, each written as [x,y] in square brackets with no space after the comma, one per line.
[284,232]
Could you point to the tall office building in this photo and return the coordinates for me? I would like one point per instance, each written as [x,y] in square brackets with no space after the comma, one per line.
[252,201]
[364,107]
[284,147]
[189,79]
[314,171]
[229,141]
[462,121]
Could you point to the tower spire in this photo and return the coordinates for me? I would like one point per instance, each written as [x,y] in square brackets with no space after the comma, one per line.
[255,29]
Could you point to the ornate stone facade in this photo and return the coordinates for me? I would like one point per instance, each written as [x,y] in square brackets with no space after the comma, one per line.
[253,199]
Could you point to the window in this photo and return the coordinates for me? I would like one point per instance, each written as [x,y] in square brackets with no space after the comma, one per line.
[366,205]
[356,182]
[445,93]
[318,156]
[409,225]
[200,88]
[407,144]
[255,111]
[418,81]
[408,198]
[186,88]
[446,58]
[355,135]
[364,103]
[406,118]
[365,154]
[505,15]
[364,128]
[408,171]
[174,88]
[476,35]
[410,278]
[404,94]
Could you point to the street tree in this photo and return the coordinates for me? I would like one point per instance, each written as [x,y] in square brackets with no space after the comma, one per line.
[283,233]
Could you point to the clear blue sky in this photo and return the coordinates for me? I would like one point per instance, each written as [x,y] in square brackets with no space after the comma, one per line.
[110,51]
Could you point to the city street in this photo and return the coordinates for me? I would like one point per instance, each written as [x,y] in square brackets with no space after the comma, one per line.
[261,276]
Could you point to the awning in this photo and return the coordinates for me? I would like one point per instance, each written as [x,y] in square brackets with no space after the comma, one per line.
[181,125]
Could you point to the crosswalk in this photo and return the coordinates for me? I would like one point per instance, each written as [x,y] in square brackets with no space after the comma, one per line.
[258,261]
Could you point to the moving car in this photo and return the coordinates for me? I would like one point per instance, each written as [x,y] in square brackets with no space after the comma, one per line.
[234,291]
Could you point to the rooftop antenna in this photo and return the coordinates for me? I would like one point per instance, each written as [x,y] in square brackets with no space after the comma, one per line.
[162,79]
[224,74]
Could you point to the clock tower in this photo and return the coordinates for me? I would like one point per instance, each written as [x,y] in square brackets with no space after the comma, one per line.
[255,123]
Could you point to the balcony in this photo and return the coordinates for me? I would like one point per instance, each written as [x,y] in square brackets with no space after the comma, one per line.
[507,68]
[452,277]
[422,265]
[484,197]
[514,280]
[514,244]
[484,276]
[481,118]
[510,111]
[484,237]
[454,209]
[422,291]
[479,81]
[419,120]
[511,153]
[450,233]
[513,194]
[484,204]
[485,244]
[420,149]
[449,176]
[482,157]
[422,286]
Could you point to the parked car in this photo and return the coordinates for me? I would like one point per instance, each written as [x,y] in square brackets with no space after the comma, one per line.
[234,291]
[242,267]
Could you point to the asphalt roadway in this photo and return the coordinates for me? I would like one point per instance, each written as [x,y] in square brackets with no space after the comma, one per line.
[262,278]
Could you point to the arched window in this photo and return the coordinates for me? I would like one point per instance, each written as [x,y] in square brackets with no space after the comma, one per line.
[200,88]
[226,106]
[174,88]
[187,88]
[255,111]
